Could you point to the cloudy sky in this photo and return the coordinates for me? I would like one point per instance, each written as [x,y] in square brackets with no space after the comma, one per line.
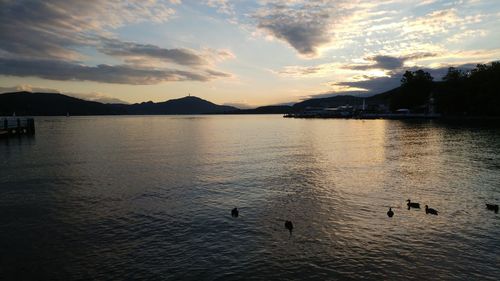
[240,52]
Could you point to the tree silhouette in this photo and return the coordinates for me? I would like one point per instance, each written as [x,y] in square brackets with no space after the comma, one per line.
[421,77]
[415,89]
[475,92]
[455,75]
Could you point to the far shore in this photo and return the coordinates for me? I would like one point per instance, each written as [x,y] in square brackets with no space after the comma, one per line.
[392,117]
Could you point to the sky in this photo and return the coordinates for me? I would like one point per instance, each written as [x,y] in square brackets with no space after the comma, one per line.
[242,53]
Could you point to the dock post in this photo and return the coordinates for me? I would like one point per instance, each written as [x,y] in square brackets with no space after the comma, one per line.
[17,126]
[19,129]
[31,126]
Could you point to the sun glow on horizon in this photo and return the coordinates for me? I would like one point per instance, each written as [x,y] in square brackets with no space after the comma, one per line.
[244,52]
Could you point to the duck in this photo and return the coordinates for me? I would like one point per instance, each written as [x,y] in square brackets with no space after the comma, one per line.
[390,213]
[412,204]
[235,212]
[492,207]
[430,211]
[289,226]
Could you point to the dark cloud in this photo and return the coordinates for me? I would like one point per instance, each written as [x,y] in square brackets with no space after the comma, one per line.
[388,62]
[380,62]
[121,74]
[57,29]
[131,51]
[374,85]
[304,27]
[45,38]
[215,73]
[54,29]
[416,56]
[37,29]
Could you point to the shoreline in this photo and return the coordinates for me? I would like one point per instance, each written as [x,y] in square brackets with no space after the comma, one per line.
[293,116]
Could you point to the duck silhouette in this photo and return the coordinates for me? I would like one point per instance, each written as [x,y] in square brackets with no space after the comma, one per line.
[430,211]
[235,212]
[412,204]
[289,226]
[492,207]
[390,213]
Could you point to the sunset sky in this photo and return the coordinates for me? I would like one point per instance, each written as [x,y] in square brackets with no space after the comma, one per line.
[243,53]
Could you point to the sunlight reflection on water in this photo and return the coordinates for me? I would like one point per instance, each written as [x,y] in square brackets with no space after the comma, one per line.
[150,198]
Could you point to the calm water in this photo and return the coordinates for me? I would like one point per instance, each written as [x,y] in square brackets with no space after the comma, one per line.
[113,198]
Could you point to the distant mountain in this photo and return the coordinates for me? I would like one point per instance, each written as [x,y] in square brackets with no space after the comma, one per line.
[341,100]
[270,109]
[185,105]
[27,103]
[328,102]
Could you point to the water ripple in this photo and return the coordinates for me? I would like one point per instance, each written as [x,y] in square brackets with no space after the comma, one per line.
[113,198]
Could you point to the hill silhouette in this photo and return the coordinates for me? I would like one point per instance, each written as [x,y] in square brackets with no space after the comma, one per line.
[340,100]
[185,105]
[269,109]
[52,104]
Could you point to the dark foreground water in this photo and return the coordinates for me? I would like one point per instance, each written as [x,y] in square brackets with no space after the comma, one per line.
[115,198]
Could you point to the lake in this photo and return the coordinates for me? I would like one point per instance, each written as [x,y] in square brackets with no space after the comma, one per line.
[134,197]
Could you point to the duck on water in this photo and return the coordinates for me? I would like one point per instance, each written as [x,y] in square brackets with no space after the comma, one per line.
[289,226]
[492,207]
[430,211]
[390,213]
[412,204]
[235,212]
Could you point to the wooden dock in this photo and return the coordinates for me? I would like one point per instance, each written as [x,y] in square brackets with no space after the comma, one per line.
[16,126]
